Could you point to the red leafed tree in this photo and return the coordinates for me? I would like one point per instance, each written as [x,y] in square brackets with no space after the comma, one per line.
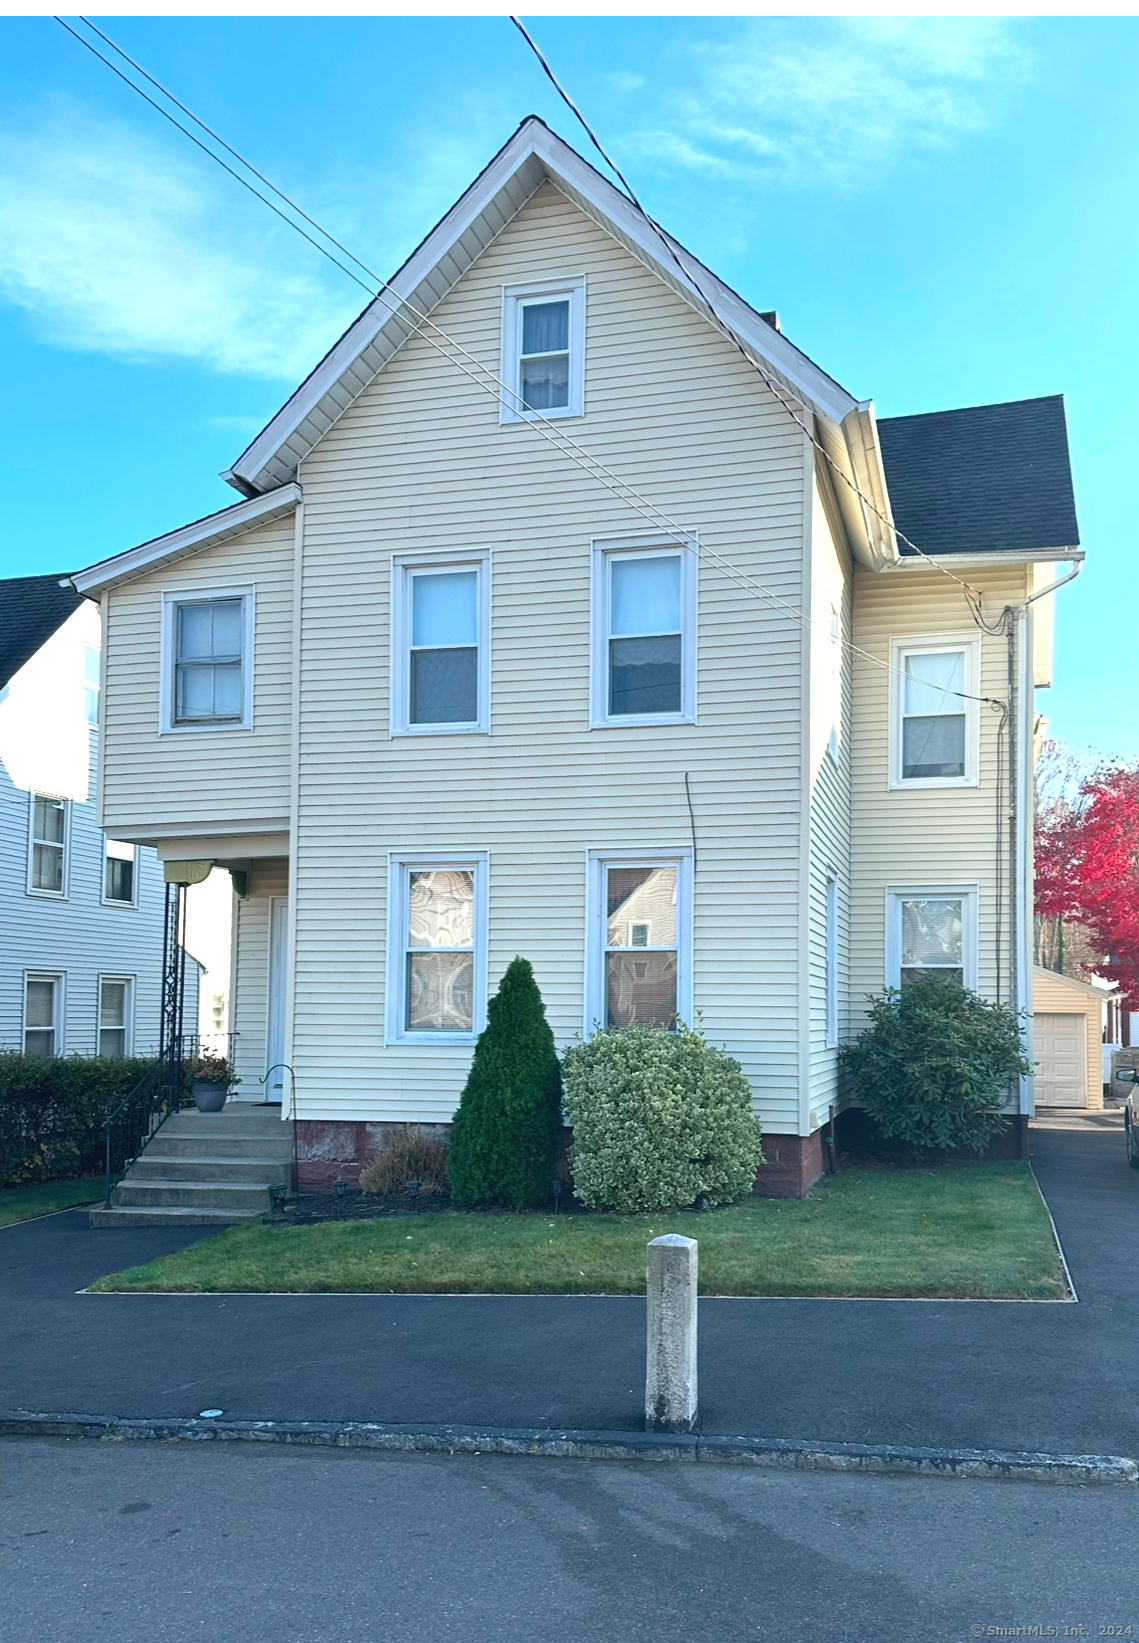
[1087,868]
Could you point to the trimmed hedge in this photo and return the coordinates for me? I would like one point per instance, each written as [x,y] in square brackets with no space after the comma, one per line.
[52,1112]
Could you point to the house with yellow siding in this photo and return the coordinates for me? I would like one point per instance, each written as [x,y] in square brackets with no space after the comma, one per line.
[569,610]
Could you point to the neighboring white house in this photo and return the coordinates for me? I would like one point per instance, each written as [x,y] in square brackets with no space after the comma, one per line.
[81,916]
[556,622]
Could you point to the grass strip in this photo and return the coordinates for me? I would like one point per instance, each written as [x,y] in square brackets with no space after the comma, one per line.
[979,1231]
[46,1197]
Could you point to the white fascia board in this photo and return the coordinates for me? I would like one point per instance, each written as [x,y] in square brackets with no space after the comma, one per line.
[203,533]
[869,495]
[994,558]
[532,156]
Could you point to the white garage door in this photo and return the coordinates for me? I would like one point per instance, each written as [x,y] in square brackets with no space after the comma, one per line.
[1061,1060]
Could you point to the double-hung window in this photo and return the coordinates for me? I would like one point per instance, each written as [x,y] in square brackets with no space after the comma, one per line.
[47,864]
[115,1012]
[932,931]
[440,644]
[207,670]
[119,872]
[437,949]
[91,665]
[543,349]
[935,730]
[43,1014]
[644,633]
[640,970]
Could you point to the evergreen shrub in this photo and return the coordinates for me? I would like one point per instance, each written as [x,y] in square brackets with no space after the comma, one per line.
[52,1112]
[659,1120]
[504,1138]
[933,1067]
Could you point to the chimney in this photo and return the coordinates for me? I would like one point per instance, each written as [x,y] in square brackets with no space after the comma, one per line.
[772,318]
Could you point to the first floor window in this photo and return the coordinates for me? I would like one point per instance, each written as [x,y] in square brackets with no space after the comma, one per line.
[114,1015]
[118,872]
[642,964]
[49,845]
[42,1027]
[438,949]
[933,933]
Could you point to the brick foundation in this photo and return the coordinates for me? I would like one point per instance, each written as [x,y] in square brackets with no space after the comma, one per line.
[337,1150]
[793,1164]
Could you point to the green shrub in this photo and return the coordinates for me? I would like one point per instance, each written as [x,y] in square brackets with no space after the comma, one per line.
[659,1120]
[933,1066]
[52,1111]
[410,1153]
[504,1138]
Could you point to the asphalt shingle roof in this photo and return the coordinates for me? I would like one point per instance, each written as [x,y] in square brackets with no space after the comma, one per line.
[31,608]
[983,479]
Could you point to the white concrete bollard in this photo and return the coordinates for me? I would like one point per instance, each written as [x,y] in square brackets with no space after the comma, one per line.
[670,1373]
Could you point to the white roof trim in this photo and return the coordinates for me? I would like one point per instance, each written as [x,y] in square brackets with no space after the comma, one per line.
[203,533]
[533,156]
[995,556]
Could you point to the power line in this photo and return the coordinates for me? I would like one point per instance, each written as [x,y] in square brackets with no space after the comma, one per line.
[556,436]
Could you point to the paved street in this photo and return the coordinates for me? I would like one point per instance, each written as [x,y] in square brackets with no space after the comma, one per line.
[150,1543]
[1059,1377]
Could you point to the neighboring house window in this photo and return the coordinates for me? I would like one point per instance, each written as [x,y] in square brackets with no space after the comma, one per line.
[543,349]
[441,645]
[208,660]
[935,730]
[43,1015]
[91,662]
[119,872]
[644,634]
[640,963]
[47,868]
[932,931]
[831,974]
[115,1013]
[437,949]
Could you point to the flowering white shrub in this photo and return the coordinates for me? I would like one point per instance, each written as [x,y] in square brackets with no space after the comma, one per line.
[658,1119]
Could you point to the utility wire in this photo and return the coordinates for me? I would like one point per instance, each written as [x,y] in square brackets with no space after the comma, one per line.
[551,431]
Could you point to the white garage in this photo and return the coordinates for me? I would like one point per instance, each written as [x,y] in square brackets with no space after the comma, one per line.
[1066,1037]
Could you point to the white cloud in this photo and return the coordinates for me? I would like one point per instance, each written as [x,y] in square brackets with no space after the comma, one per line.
[827,100]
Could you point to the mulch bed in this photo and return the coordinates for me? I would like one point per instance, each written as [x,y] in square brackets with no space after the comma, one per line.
[354,1205]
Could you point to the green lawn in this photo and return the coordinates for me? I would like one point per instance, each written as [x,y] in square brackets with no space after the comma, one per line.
[45,1197]
[976,1231]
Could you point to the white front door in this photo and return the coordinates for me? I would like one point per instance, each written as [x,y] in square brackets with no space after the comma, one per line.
[276,1085]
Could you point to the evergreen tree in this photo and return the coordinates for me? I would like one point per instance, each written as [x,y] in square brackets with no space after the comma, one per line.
[504,1139]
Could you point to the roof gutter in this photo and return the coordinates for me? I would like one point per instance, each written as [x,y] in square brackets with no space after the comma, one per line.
[1076,560]
[997,556]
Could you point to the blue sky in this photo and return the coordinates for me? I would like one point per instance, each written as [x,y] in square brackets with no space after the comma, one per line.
[941,210]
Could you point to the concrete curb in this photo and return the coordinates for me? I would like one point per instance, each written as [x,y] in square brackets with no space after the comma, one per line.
[786,1454]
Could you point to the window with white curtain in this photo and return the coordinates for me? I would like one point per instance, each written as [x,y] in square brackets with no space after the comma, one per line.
[932,931]
[43,1014]
[644,634]
[440,644]
[935,730]
[47,863]
[116,997]
[543,345]
[437,949]
[208,660]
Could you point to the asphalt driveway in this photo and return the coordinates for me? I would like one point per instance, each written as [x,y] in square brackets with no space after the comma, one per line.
[982,1374]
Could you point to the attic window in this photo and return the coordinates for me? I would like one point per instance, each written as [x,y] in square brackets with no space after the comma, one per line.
[543,344]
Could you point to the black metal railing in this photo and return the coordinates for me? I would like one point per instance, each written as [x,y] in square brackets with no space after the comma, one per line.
[129,1126]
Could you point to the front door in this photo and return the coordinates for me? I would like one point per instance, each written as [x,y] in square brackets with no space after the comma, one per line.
[277,1081]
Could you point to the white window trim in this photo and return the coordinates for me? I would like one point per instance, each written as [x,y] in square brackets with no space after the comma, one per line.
[513,298]
[400,865]
[602,550]
[171,599]
[112,901]
[60,979]
[92,724]
[34,889]
[831,971]
[931,643]
[970,945]
[596,920]
[128,1009]
[403,567]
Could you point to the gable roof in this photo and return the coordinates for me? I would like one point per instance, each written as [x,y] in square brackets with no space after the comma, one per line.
[987,478]
[31,609]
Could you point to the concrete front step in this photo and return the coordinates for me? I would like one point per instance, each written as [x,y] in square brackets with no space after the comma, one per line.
[164,1166]
[247,1197]
[279,1147]
[230,1121]
[165,1217]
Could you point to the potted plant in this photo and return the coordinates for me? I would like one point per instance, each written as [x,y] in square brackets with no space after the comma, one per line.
[210,1078]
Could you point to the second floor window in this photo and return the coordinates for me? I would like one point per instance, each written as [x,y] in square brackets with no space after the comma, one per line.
[208,668]
[119,872]
[440,645]
[644,633]
[935,729]
[47,869]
